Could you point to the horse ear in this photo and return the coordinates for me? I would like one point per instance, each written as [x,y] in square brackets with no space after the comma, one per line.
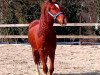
[54,0]
[50,1]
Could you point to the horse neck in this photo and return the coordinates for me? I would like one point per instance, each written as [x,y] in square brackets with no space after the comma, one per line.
[45,24]
[46,21]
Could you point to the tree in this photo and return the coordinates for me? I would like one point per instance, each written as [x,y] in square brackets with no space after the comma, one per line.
[24,11]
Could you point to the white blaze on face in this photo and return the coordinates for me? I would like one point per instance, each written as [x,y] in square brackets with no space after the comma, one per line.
[57,5]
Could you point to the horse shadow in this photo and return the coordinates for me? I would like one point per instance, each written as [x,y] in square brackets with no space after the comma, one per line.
[88,73]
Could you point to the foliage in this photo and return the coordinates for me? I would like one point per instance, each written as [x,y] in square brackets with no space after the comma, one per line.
[25,11]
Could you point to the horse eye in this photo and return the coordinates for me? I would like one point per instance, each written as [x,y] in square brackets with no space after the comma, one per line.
[53,8]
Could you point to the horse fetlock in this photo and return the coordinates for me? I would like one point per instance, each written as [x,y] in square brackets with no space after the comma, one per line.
[45,69]
[51,71]
[37,70]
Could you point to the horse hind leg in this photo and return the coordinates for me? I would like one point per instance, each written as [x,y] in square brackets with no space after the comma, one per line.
[36,60]
[37,70]
[36,56]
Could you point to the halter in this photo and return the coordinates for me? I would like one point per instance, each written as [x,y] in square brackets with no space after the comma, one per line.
[54,16]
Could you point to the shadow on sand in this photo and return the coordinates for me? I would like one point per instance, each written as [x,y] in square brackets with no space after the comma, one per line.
[89,73]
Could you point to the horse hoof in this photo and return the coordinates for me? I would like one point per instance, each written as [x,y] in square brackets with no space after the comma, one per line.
[36,73]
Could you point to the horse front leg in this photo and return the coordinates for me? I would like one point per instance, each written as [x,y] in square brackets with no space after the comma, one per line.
[51,58]
[43,58]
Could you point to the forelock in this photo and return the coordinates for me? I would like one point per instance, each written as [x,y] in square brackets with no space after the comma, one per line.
[57,5]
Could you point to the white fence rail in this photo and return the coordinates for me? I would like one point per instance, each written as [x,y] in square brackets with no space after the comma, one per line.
[68,24]
[58,36]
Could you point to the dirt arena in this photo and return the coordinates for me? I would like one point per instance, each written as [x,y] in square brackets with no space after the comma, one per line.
[16,59]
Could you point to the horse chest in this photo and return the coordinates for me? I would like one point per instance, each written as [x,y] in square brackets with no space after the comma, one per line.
[48,37]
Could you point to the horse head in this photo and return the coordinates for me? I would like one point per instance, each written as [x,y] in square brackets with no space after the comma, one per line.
[54,11]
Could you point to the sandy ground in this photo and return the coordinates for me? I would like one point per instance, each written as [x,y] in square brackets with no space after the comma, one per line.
[70,60]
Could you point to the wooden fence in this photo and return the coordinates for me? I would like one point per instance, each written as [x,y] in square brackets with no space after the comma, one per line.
[58,36]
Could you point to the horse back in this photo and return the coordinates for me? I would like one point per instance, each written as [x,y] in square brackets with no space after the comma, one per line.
[33,23]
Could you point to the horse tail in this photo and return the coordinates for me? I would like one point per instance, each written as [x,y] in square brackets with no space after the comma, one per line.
[36,57]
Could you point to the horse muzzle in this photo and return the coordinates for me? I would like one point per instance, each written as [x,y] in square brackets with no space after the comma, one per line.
[59,18]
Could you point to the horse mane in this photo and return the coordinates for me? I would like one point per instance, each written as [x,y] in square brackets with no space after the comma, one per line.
[44,10]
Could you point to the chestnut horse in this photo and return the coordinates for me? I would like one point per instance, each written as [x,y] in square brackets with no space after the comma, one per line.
[42,37]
